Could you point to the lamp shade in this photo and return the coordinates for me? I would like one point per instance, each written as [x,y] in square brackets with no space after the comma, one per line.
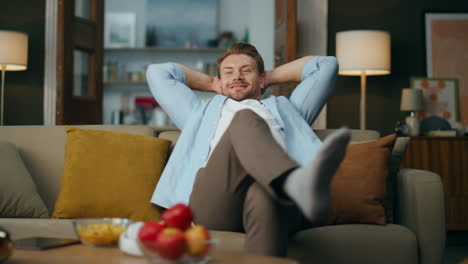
[363,51]
[13,50]
[411,100]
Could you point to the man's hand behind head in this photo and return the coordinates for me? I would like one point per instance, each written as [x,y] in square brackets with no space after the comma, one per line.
[216,85]
[267,81]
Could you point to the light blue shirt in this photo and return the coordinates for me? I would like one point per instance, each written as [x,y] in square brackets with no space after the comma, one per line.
[197,117]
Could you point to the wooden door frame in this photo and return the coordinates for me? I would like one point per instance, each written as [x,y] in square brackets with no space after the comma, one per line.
[50,63]
[53,76]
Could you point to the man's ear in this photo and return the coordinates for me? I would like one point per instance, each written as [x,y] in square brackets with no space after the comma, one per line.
[263,84]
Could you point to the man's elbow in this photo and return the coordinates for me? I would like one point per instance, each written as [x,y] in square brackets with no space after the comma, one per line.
[158,71]
[322,65]
[331,63]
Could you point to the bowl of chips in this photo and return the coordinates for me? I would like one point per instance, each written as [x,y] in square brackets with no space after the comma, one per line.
[100,232]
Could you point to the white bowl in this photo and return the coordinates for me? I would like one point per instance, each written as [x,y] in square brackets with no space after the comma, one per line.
[128,240]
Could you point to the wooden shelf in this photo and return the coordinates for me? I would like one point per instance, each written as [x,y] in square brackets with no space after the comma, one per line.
[178,49]
[456,138]
[124,82]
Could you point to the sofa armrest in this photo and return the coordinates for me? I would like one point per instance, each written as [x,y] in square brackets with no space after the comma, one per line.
[421,208]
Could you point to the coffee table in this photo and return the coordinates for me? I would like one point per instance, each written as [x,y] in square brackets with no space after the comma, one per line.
[80,254]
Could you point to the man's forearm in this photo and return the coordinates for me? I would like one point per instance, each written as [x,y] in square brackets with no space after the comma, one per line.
[197,80]
[289,72]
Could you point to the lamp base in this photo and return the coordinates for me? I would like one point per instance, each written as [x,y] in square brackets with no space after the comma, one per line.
[413,125]
[2,93]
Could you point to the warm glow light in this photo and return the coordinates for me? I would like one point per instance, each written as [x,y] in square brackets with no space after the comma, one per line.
[13,50]
[13,57]
[363,51]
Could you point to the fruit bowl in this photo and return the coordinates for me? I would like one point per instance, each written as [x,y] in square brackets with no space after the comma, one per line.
[175,239]
[100,232]
[154,257]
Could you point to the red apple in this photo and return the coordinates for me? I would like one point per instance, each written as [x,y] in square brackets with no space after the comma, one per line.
[178,216]
[171,243]
[197,237]
[149,232]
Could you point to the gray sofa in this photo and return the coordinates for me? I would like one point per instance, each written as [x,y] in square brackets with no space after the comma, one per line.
[416,236]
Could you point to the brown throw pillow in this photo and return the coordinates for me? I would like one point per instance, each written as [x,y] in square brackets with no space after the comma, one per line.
[358,189]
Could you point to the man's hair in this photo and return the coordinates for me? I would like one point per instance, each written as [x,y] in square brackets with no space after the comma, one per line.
[242,48]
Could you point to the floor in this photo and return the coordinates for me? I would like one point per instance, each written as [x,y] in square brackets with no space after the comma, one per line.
[457,247]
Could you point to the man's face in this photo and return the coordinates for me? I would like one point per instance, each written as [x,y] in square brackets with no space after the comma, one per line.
[240,79]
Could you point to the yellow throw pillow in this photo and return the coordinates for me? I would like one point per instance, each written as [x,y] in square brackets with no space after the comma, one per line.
[110,174]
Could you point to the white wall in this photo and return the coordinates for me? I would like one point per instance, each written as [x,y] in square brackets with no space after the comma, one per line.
[234,16]
[312,24]
[255,15]
[312,17]
[262,28]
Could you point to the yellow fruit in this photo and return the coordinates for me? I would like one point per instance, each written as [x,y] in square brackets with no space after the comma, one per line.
[197,238]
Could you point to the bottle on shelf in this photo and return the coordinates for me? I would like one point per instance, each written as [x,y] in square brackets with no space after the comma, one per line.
[246,37]
[151,39]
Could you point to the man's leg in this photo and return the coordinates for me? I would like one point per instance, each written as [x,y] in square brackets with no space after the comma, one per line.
[246,154]
[309,186]
[233,192]
[268,223]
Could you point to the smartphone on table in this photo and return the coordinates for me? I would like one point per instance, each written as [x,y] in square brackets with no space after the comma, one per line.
[41,243]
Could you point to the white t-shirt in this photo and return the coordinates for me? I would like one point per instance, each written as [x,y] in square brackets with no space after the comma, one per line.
[231,107]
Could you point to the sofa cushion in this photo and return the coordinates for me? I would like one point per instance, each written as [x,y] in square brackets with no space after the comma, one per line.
[386,244]
[110,174]
[18,193]
[358,189]
[173,136]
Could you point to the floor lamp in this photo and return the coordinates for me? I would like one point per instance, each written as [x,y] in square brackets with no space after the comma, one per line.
[363,53]
[13,57]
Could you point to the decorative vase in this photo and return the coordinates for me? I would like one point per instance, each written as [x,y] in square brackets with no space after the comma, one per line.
[413,125]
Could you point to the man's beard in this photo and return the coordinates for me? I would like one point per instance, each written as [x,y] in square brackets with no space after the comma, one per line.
[242,94]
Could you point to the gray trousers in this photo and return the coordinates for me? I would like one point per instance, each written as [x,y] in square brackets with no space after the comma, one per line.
[234,191]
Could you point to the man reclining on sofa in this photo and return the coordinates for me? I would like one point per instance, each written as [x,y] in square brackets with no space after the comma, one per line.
[244,164]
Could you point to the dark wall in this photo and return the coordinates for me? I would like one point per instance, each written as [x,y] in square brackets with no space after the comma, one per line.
[404,20]
[24,89]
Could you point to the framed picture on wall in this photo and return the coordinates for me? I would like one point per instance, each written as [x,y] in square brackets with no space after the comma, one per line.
[446,51]
[119,30]
[440,97]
